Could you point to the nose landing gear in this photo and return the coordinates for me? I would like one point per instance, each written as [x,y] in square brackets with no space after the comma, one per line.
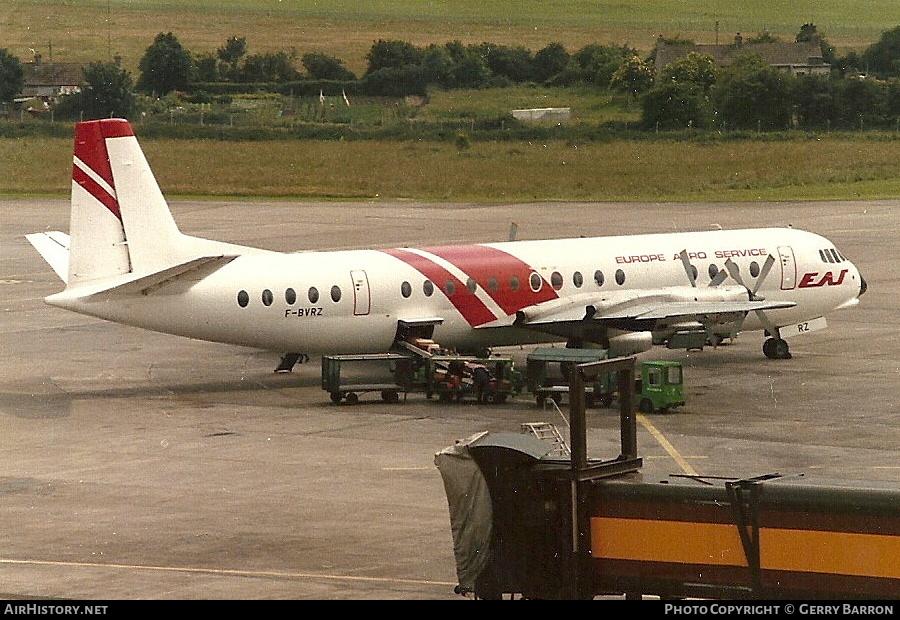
[777,349]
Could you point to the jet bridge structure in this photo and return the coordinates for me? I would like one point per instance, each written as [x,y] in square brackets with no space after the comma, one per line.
[529,525]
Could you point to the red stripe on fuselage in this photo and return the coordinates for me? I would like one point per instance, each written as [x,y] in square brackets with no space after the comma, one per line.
[480,263]
[468,305]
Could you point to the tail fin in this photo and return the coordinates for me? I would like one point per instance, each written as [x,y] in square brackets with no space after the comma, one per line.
[120,221]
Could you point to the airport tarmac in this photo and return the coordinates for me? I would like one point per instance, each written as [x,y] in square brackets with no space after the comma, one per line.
[136,465]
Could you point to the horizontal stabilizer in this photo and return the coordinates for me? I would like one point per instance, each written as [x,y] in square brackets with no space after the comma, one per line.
[129,284]
[54,247]
[147,283]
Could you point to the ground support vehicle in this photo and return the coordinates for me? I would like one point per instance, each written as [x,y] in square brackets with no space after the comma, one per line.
[660,386]
[460,377]
[529,525]
[547,375]
[345,377]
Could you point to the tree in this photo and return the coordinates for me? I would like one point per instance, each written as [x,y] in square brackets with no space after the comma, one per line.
[633,76]
[674,105]
[809,32]
[166,66]
[751,94]
[513,63]
[815,101]
[392,55]
[108,92]
[550,62]
[269,67]
[883,57]
[597,63]
[700,70]
[324,67]
[12,76]
[230,56]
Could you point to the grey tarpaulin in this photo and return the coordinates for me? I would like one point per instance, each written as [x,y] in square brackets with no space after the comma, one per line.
[469,498]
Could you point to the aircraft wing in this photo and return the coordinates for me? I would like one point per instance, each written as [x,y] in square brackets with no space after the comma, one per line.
[639,309]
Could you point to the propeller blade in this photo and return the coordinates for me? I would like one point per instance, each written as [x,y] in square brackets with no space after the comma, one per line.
[719,278]
[767,266]
[735,273]
[688,267]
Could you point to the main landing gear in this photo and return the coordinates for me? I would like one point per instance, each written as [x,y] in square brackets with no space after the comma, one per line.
[776,349]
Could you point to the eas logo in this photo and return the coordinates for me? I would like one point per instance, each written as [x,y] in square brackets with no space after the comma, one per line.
[809,281]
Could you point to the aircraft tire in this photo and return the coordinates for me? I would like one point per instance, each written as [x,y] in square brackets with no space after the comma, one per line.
[336,397]
[351,398]
[777,349]
[782,349]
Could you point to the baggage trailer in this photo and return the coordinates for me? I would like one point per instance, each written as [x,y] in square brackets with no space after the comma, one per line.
[345,377]
[530,525]
[547,375]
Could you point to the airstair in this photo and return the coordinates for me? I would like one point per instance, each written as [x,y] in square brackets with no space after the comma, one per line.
[545,431]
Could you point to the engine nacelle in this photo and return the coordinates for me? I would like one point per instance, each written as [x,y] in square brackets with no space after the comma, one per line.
[628,343]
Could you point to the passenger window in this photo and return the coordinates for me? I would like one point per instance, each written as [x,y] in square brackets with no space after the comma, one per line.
[536,281]
[713,270]
[406,289]
[428,288]
[493,285]
[313,294]
[620,277]
[450,288]
[290,296]
[556,280]
[598,277]
[243,299]
[754,269]
[267,297]
[335,293]
[514,283]
[577,279]
[471,286]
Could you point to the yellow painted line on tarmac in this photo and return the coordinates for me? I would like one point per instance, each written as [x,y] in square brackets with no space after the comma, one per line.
[224,572]
[667,446]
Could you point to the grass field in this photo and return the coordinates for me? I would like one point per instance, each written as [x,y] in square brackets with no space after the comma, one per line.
[827,168]
[98,29]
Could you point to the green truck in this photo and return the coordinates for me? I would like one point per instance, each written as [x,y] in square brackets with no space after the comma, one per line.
[659,387]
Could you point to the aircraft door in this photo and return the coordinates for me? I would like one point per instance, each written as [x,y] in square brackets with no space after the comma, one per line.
[788,267]
[362,301]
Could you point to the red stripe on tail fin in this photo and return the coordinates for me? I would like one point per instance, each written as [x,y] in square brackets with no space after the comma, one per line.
[90,149]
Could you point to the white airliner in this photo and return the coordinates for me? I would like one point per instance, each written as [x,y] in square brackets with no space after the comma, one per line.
[125,260]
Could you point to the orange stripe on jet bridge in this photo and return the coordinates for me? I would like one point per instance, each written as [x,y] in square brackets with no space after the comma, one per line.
[651,540]
[840,553]
[469,306]
[481,263]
